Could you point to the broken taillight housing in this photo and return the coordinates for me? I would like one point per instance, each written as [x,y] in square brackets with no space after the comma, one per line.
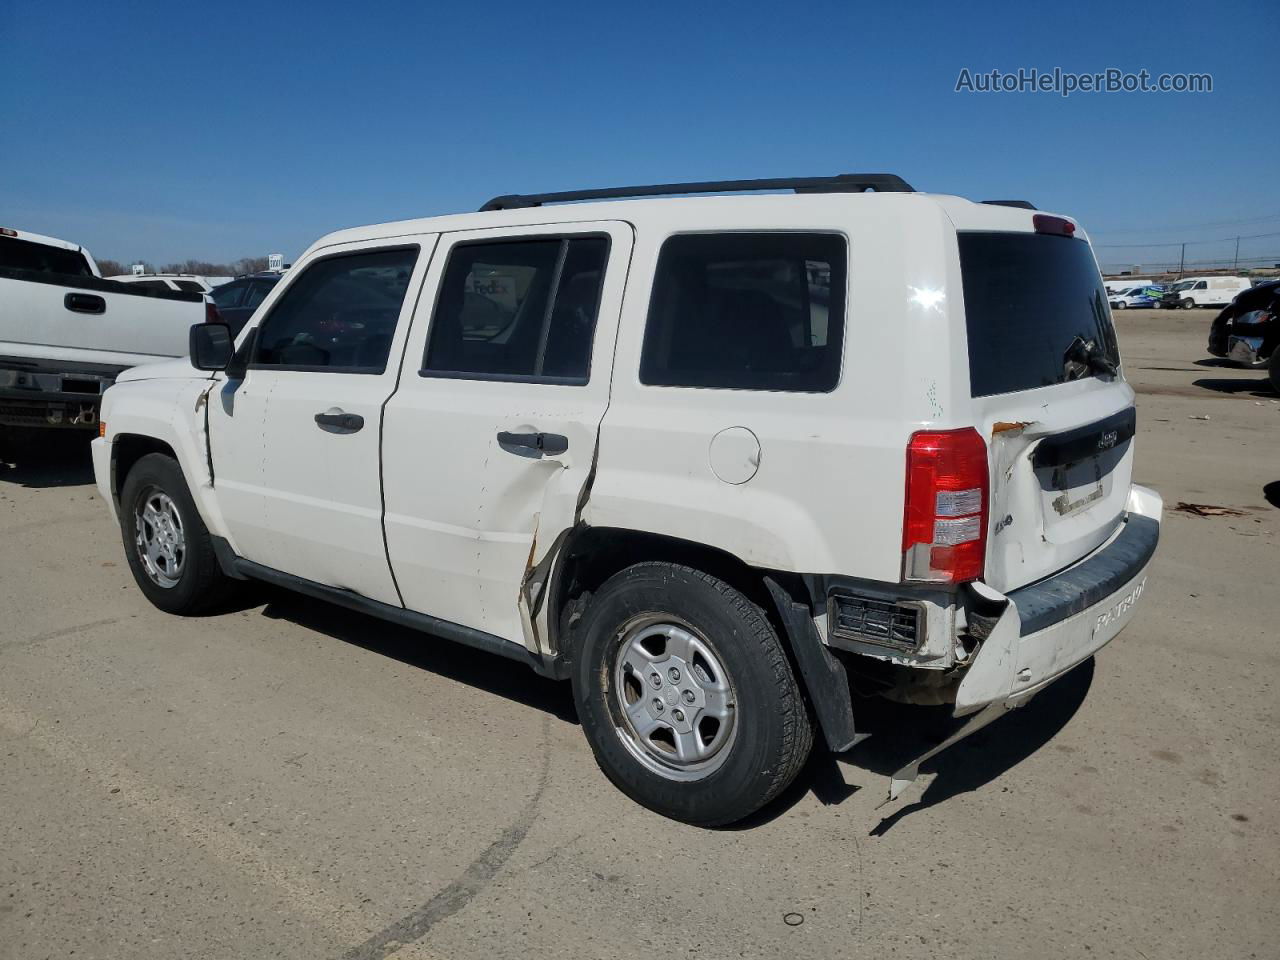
[944,524]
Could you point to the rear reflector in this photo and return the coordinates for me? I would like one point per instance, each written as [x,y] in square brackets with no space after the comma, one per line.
[1058,226]
[944,526]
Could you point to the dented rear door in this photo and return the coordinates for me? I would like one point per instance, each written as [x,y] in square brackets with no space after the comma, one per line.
[490,439]
[1049,398]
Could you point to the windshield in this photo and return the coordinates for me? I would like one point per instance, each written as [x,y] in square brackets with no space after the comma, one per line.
[1028,298]
[1184,285]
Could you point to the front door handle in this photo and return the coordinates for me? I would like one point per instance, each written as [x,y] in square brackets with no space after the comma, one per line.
[547,443]
[337,421]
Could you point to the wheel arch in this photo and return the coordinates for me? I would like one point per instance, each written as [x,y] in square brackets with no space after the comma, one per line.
[127,450]
[591,555]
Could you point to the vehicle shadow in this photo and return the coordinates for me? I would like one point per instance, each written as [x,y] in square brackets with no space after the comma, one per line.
[1258,388]
[901,732]
[476,668]
[980,758]
[45,458]
[1272,492]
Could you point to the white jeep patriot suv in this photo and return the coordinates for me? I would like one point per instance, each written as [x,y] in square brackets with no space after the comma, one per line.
[709,458]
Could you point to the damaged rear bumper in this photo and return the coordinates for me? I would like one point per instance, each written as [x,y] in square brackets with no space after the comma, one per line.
[1049,627]
[1046,629]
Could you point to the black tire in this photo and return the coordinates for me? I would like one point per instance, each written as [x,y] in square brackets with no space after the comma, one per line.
[1188,304]
[1273,369]
[1121,305]
[771,734]
[200,584]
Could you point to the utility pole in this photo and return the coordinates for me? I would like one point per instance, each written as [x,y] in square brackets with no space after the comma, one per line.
[1182,261]
[1236,265]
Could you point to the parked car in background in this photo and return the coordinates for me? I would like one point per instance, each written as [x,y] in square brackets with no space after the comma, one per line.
[66,333]
[631,445]
[185,282]
[1121,284]
[1203,292]
[1247,332]
[237,300]
[1142,296]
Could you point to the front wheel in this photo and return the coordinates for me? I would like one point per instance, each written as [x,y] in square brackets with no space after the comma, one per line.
[168,547]
[1188,304]
[686,696]
[1120,306]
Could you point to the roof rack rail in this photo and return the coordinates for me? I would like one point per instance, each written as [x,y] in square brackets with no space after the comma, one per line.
[844,183]
[1020,204]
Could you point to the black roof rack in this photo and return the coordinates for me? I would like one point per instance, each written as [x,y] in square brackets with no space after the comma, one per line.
[844,183]
[1020,204]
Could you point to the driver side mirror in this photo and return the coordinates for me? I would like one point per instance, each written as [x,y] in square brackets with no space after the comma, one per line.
[211,346]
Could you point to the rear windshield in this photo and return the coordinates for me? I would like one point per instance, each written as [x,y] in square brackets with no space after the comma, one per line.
[20,254]
[1027,298]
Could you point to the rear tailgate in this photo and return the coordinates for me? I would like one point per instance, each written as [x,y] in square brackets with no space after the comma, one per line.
[86,319]
[1059,425]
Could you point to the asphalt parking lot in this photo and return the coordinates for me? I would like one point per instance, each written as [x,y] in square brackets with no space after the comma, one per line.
[295,780]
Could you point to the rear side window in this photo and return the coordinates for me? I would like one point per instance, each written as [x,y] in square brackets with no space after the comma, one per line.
[339,315]
[228,295]
[1027,298]
[747,311]
[149,285]
[258,291]
[190,286]
[18,254]
[518,310]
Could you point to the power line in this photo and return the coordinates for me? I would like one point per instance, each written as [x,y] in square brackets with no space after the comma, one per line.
[1195,226]
[1256,236]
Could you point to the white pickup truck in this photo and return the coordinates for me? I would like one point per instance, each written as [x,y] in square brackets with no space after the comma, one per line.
[66,333]
[709,458]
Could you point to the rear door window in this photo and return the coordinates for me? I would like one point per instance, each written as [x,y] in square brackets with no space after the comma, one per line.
[1027,298]
[518,310]
[747,311]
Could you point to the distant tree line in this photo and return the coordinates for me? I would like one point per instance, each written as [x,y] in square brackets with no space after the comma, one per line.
[201,268]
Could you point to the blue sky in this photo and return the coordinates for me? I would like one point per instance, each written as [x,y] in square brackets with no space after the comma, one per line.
[214,131]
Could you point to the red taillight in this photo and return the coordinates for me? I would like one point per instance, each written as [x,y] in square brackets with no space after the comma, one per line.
[1059,226]
[211,314]
[944,525]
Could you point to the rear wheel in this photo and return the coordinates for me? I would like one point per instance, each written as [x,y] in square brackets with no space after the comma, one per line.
[169,549]
[686,696]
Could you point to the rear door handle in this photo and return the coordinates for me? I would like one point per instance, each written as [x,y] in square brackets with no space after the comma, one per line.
[547,443]
[85,303]
[338,421]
